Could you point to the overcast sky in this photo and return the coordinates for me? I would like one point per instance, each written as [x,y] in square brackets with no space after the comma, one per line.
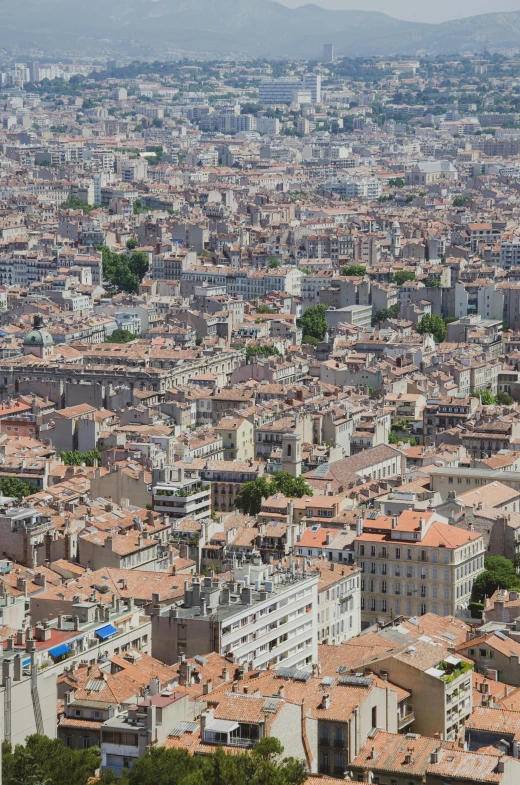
[418,10]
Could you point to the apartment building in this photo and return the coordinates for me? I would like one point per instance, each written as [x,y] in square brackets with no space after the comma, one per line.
[237,435]
[339,602]
[282,91]
[185,498]
[440,682]
[414,564]
[261,618]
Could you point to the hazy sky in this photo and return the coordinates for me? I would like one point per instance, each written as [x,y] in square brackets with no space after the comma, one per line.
[417,10]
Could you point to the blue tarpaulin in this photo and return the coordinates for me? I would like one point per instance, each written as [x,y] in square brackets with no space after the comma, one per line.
[58,651]
[106,632]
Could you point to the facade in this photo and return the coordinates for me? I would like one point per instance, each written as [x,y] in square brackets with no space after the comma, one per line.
[415,564]
[271,618]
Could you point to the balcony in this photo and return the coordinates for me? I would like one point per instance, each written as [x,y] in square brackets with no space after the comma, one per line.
[405,719]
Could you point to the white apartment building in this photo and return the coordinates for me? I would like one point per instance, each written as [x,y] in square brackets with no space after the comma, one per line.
[363,188]
[416,564]
[281,91]
[339,602]
[183,499]
[262,618]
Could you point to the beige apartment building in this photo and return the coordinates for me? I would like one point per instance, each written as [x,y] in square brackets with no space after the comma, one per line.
[416,564]
[238,439]
[440,684]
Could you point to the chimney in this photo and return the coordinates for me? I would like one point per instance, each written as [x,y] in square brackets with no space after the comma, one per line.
[359,527]
[394,521]
[328,538]
[202,606]
[225,674]
[325,701]
[207,688]
[281,691]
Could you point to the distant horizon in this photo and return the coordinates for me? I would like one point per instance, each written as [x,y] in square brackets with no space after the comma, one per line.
[411,11]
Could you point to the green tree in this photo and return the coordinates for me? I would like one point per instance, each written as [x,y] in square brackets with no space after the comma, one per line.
[75,458]
[499,573]
[403,276]
[249,497]
[460,201]
[396,182]
[17,489]
[385,313]
[73,203]
[283,482]
[486,397]
[432,283]
[265,309]
[268,748]
[273,262]
[354,269]
[504,399]
[313,322]
[433,325]
[44,760]
[120,336]
[261,351]
[131,243]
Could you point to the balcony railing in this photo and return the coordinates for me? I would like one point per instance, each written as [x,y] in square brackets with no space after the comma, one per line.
[406,719]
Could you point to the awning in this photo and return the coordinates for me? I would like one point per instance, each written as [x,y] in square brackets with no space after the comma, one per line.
[59,651]
[106,632]
[222,726]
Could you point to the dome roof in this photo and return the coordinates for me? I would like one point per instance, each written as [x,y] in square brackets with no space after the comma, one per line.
[38,336]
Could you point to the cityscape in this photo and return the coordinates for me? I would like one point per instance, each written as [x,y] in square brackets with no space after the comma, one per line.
[259,402]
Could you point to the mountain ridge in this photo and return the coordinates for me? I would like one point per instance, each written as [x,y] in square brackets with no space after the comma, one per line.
[245,27]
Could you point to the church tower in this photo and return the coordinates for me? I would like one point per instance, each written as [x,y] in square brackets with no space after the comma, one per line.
[292,454]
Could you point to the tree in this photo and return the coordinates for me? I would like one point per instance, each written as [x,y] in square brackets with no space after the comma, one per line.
[249,498]
[50,761]
[131,243]
[265,309]
[273,262]
[499,573]
[403,276]
[268,748]
[354,269]
[432,283]
[460,201]
[75,458]
[73,203]
[385,313]
[396,182]
[486,397]
[16,489]
[504,399]
[313,322]
[433,325]
[120,336]
[123,271]
[261,351]
[283,482]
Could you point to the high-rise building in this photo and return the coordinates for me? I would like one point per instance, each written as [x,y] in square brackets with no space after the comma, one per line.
[328,53]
